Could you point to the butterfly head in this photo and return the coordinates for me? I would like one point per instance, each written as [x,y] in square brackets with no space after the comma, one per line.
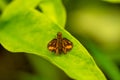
[59,35]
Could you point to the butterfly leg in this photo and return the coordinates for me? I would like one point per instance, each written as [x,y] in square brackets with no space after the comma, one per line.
[57,51]
[64,50]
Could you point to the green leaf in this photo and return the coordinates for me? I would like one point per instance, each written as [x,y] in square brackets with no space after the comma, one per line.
[54,10]
[113,1]
[108,65]
[44,69]
[24,29]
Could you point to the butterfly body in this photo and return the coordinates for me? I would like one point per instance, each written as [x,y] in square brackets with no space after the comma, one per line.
[59,44]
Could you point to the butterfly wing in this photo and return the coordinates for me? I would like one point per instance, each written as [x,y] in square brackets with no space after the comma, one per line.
[52,45]
[67,45]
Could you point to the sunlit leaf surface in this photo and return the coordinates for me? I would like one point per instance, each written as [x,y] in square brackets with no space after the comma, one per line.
[25,29]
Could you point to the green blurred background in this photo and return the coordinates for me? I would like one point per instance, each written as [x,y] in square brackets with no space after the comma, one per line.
[95,23]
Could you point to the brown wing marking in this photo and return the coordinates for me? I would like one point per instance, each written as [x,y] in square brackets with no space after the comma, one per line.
[67,45]
[52,45]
